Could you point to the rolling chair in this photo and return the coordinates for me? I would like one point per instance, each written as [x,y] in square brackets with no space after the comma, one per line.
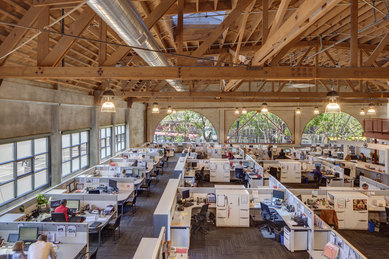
[199,176]
[272,221]
[239,174]
[58,217]
[114,226]
[273,171]
[94,254]
[199,221]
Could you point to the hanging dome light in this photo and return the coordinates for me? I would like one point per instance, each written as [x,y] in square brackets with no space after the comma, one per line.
[362,112]
[244,111]
[174,111]
[371,110]
[332,106]
[316,110]
[169,109]
[264,108]
[298,111]
[155,108]
[236,111]
[107,100]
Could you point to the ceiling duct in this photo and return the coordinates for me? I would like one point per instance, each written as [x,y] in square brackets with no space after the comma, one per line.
[123,18]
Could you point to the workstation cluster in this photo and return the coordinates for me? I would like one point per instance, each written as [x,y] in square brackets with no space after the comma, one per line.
[87,204]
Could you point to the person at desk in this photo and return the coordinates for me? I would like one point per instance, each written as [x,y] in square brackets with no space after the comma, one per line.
[41,249]
[269,152]
[348,157]
[282,154]
[365,186]
[135,163]
[318,175]
[229,155]
[18,251]
[362,157]
[65,210]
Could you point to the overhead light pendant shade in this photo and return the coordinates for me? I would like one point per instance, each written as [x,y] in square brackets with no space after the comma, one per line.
[298,111]
[244,111]
[174,111]
[332,106]
[236,111]
[155,108]
[316,111]
[107,100]
[371,110]
[264,108]
[169,109]
[362,112]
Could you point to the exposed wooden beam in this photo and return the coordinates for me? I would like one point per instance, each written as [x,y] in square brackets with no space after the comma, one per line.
[43,38]
[158,12]
[283,7]
[354,34]
[65,43]
[180,29]
[377,51]
[103,38]
[196,73]
[55,2]
[265,20]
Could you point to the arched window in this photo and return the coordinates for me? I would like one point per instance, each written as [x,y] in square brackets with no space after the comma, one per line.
[185,126]
[255,127]
[329,127]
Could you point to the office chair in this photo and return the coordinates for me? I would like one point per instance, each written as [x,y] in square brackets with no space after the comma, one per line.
[132,205]
[114,226]
[239,174]
[199,176]
[199,221]
[271,218]
[94,254]
[58,217]
[273,171]
[145,187]
[154,176]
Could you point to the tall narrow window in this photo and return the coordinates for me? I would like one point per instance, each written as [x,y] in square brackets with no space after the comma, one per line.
[120,138]
[105,142]
[75,152]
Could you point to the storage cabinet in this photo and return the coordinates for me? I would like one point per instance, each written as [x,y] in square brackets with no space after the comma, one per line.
[219,170]
[232,208]
[290,172]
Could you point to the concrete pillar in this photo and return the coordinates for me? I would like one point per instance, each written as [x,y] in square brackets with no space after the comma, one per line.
[55,145]
[127,120]
[297,129]
[113,133]
[94,151]
[221,126]
[386,159]
[346,150]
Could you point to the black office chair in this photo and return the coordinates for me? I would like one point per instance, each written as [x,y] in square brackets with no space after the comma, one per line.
[145,187]
[272,221]
[58,217]
[132,205]
[199,176]
[154,176]
[239,174]
[199,221]
[273,171]
[94,254]
[115,226]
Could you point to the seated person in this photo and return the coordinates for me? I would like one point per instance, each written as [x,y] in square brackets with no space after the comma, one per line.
[365,186]
[41,249]
[282,154]
[348,157]
[18,251]
[362,157]
[135,163]
[239,171]
[65,210]
[229,155]
[318,175]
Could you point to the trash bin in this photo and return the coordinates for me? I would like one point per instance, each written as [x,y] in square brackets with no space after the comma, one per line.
[371,226]
[282,239]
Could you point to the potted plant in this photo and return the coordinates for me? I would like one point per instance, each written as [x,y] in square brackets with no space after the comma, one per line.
[42,202]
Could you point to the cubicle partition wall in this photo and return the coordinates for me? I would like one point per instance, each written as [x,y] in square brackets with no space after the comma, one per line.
[152,248]
[73,237]
[259,169]
[180,168]
[373,185]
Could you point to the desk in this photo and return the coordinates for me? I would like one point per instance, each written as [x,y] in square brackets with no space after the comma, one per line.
[104,219]
[255,181]
[11,217]
[190,176]
[63,251]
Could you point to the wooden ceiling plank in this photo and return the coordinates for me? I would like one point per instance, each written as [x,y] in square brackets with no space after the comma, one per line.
[283,7]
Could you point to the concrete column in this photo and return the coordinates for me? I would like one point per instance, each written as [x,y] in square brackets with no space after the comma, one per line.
[113,142]
[346,150]
[386,160]
[297,129]
[55,145]
[94,151]
[127,120]
[221,126]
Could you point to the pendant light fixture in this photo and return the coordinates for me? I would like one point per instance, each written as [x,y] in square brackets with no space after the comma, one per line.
[362,112]
[244,111]
[298,111]
[332,106]
[107,100]
[169,110]
[371,110]
[264,108]
[316,110]
[236,111]
[155,108]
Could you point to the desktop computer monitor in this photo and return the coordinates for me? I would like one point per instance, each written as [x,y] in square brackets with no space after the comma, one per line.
[73,204]
[287,150]
[194,164]
[55,204]
[318,164]
[186,194]
[347,171]
[280,195]
[113,184]
[28,233]
[12,238]
[135,172]
[71,187]
[245,164]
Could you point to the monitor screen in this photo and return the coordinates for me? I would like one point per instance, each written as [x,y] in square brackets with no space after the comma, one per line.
[347,171]
[55,204]
[194,164]
[186,194]
[72,186]
[135,172]
[287,150]
[278,194]
[73,204]
[12,238]
[113,184]
[28,233]
[245,164]
[318,164]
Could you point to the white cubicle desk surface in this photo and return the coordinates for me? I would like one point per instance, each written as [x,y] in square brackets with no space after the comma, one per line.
[286,217]
[11,217]
[371,167]
[65,251]
[183,218]
[57,191]
[146,248]
[104,219]
[314,254]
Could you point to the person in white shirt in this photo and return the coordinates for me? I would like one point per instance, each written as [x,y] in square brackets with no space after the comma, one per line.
[41,249]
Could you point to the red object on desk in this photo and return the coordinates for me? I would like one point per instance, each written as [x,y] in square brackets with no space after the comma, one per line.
[181,250]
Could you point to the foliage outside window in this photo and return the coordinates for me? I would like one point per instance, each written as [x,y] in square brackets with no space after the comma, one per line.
[75,152]
[24,167]
[185,126]
[105,142]
[120,138]
[262,128]
[329,127]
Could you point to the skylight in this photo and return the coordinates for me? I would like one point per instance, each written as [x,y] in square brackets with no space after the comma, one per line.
[211,18]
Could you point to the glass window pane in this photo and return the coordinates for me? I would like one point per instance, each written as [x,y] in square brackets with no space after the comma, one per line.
[102,143]
[24,149]
[65,154]
[40,145]
[65,169]
[40,162]
[84,161]
[108,142]
[75,139]
[65,140]
[108,151]
[102,153]
[41,178]
[6,192]
[23,167]
[75,151]
[24,185]
[76,164]
[6,172]
[84,136]
[102,133]
[6,153]
[108,132]
[84,149]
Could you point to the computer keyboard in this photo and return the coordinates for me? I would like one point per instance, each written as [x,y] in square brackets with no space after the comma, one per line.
[95,224]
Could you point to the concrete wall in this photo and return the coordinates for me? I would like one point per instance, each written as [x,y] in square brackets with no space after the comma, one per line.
[222,115]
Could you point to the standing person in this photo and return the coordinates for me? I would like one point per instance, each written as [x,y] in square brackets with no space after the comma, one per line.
[41,249]
[269,152]
[18,251]
[318,176]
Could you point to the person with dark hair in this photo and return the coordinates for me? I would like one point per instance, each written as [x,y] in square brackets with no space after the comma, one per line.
[282,154]
[318,175]
[365,186]
[41,249]
[18,251]
[362,157]
[269,152]
[65,210]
